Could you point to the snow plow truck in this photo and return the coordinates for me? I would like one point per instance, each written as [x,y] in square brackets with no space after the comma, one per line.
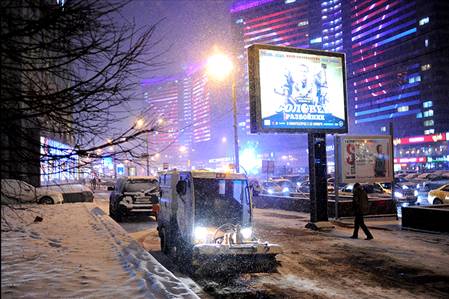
[205,223]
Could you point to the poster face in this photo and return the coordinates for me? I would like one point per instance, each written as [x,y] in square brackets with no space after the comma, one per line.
[298,91]
[365,159]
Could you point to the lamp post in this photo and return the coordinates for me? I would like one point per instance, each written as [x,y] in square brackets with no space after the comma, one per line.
[139,124]
[219,66]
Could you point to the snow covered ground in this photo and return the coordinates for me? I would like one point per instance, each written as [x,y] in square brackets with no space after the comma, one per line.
[77,251]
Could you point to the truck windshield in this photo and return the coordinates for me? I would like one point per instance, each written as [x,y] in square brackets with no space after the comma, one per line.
[222,201]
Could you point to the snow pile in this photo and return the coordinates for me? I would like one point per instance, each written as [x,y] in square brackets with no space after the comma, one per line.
[78,251]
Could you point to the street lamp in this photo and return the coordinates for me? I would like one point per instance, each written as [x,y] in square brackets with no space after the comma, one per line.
[140,122]
[220,66]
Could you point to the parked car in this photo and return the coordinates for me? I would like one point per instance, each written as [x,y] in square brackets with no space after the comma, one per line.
[439,195]
[139,194]
[73,192]
[373,190]
[16,191]
[401,194]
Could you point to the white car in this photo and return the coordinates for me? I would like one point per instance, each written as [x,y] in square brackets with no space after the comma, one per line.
[15,191]
[72,192]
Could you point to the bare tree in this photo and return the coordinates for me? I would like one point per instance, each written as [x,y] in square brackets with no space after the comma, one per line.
[69,71]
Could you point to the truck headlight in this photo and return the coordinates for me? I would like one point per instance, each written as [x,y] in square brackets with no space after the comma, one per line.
[246,232]
[201,234]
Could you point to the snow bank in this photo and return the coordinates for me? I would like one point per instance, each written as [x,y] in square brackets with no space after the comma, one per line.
[78,251]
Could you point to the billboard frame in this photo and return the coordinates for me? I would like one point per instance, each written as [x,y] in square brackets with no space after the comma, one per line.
[255,96]
[340,178]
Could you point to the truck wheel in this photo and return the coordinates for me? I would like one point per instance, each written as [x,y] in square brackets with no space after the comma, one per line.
[115,213]
[165,247]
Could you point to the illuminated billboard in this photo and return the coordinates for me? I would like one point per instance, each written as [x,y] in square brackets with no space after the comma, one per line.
[365,159]
[296,90]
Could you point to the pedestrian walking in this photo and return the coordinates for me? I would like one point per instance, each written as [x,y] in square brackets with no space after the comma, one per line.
[360,207]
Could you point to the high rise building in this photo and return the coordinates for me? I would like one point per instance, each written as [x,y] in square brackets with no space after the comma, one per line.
[183,105]
[397,56]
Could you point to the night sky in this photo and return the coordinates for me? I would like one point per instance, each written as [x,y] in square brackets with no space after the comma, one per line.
[189,30]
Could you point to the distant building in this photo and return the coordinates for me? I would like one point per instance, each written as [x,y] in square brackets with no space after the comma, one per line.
[397,59]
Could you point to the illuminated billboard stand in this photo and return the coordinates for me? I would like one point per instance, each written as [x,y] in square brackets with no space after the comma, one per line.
[296,90]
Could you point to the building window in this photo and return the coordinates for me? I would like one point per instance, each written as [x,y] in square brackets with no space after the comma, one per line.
[425,67]
[426,42]
[414,79]
[403,109]
[383,129]
[428,123]
[428,113]
[423,21]
[428,132]
[427,104]
[419,115]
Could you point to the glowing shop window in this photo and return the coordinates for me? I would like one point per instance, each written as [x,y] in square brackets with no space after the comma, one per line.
[403,109]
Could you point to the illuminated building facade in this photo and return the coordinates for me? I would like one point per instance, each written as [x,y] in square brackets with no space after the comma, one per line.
[396,53]
[398,66]
[183,105]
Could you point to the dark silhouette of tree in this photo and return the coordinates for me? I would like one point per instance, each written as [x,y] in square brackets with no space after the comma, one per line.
[69,71]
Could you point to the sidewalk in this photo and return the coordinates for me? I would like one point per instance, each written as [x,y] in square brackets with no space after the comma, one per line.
[77,251]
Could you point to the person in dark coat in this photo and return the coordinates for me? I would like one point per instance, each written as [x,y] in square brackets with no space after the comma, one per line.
[360,206]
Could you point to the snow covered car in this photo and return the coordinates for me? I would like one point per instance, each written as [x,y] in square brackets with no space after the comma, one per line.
[134,194]
[16,191]
[73,192]
[206,224]
[439,195]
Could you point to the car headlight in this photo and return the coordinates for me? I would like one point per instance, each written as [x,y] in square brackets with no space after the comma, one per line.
[270,191]
[285,190]
[398,194]
[200,234]
[246,232]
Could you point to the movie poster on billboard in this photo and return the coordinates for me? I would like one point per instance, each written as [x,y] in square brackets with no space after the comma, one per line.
[301,91]
[365,159]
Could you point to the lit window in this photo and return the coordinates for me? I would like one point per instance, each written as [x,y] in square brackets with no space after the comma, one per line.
[423,21]
[428,132]
[427,104]
[239,21]
[383,129]
[425,67]
[426,43]
[428,113]
[414,79]
[289,1]
[303,23]
[428,123]
[419,115]
[403,109]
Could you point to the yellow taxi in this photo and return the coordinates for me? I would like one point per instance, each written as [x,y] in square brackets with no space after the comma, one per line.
[439,195]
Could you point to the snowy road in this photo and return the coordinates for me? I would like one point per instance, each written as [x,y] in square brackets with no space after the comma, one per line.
[396,264]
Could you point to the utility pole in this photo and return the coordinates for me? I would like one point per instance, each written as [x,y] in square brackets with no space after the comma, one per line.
[234,112]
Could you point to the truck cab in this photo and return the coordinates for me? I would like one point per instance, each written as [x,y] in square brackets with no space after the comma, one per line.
[205,222]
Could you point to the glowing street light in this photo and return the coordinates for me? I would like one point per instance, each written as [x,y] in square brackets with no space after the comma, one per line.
[220,66]
[139,123]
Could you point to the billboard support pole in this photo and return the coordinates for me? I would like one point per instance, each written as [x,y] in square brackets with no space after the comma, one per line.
[337,174]
[391,131]
[318,178]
